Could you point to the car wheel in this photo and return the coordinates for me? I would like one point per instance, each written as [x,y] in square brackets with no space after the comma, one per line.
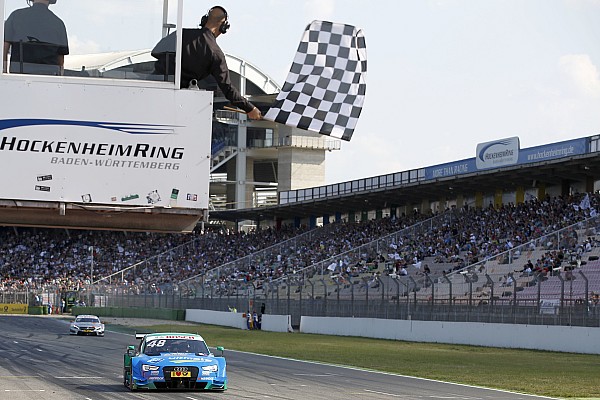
[127,381]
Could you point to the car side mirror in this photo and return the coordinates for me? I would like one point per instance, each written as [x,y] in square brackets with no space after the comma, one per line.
[130,350]
[221,349]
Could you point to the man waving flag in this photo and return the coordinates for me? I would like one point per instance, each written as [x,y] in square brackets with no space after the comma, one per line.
[325,89]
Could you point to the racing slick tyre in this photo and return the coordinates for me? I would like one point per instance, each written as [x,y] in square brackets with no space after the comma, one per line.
[127,381]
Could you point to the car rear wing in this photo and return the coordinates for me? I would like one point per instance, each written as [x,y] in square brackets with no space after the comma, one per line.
[140,336]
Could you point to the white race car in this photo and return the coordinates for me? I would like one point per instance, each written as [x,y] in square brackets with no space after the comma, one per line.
[87,325]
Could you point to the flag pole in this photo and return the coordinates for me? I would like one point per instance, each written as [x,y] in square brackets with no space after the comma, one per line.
[234,109]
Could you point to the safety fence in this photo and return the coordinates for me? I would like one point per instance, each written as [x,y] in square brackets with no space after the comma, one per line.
[391,298]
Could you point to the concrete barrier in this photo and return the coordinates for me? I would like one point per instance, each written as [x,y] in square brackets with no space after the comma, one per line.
[276,323]
[272,323]
[572,339]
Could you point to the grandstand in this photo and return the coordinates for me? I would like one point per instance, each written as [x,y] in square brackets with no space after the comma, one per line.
[449,272]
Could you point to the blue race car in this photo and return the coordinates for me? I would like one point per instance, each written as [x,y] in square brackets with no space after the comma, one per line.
[173,361]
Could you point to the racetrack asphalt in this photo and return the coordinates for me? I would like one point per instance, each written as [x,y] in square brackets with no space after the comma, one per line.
[40,360]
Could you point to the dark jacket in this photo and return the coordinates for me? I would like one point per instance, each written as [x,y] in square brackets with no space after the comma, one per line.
[200,58]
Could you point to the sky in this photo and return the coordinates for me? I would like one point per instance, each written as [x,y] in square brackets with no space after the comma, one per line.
[443,75]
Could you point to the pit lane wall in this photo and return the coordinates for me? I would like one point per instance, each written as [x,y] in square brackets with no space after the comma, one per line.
[272,323]
[533,337]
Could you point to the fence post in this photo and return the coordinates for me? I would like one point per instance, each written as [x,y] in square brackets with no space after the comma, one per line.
[514,307]
[301,288]
[324,297]
[414,291]
[587,292]
[337,283]
[352,298]
[432,283]
[449,290]
[288,297]
[253,293]
[277,293]
[312,296]
[470,282]
[366,296]
[237,296]
[202,294]
[490,281]
[406,285]
[395,280]
[562,295]
[384,305]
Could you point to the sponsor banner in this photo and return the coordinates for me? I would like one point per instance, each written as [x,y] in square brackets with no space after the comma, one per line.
[567,148]
[450,169]
[498,153]
[13,309]
[106,144]
[549,306]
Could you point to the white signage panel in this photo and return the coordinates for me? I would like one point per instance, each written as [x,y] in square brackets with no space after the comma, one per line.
[94,142]
[498,153]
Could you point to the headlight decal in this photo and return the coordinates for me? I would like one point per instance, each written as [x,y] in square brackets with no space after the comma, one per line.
[146,367]
[210,368]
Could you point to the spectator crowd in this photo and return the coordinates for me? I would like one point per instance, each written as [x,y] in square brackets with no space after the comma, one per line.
[33,258]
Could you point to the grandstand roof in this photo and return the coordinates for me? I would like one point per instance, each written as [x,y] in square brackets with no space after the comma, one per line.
[103,62]
[554,172]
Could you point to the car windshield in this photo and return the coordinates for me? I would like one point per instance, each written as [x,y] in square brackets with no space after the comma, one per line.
[157,346]
[93,320]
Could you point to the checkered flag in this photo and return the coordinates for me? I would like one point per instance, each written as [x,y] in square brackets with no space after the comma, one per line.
[325,89]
